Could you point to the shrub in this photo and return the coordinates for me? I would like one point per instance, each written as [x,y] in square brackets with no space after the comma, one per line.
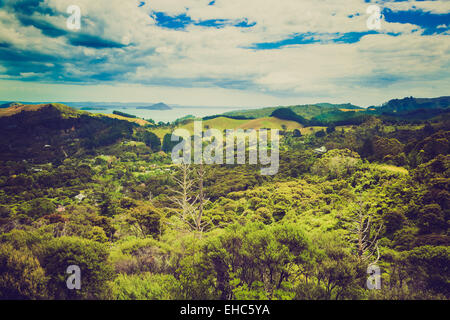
[58,254]
[21,277]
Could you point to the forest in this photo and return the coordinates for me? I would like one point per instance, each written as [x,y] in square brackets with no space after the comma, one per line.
[103,194]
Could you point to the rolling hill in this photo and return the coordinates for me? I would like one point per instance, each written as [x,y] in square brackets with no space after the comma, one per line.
[9,104]
[409,104]
[306,111]
[52,132]
[324,114]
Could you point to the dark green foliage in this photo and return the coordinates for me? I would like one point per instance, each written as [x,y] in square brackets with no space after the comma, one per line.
[288,114]
[168,144]
[40,208]
[21,277]
[429,267]
[432,219]
[92,258]
[331,129]
[253,261]
[410,103]
[394,221]
[152,141]
[367,149]
[146,218]
[320,134]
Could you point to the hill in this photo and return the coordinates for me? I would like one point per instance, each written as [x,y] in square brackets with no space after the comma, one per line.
[223,123]
[308,111]
[9,104]
[63,110]
[325,114]
[410,103]
[52,132]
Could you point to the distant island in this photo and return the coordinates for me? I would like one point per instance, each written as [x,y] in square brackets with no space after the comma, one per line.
[156,106]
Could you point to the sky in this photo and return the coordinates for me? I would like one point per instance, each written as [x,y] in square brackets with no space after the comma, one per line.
[224,52]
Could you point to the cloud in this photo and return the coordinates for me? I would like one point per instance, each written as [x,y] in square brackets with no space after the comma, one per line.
[290,50]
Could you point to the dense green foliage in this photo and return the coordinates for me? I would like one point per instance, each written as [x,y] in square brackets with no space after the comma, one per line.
[110,205]
[288,114]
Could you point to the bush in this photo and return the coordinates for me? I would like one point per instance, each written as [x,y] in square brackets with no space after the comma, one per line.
[246,262]
[92,258]
[430,269]
[40,208]
[337,163]
[320,134]
[432,219]
[146,287]
[152,141]
[21,277]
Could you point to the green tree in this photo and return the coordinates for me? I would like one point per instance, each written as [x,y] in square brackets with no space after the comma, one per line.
[297,133]
[337,163]
[152,141]
[429,269]
[331,128]
[146,219]
[41,207]
[21,276]
[250,261]
[168,144]
[337,270]
[320,134]
[432,219]
[90,256]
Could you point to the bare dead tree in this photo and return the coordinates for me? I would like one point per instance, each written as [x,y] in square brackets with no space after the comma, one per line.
[200,224]
[190,201]
[183,193]
[366,236]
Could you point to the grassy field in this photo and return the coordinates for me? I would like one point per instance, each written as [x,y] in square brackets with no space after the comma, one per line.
[223,123]
[140,122]
[272,123]
[220,123]
[161,131]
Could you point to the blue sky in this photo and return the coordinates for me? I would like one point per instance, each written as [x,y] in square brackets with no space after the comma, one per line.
[223,52]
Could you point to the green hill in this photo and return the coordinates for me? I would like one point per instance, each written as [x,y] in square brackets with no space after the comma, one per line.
[51,132]
[308,111]
[323,114]
[411,103]
[10,104]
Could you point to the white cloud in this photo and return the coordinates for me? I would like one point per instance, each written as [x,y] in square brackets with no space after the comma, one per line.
[438,7]
[377,66]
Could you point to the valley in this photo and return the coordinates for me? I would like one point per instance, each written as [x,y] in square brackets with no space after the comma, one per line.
[101,192]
